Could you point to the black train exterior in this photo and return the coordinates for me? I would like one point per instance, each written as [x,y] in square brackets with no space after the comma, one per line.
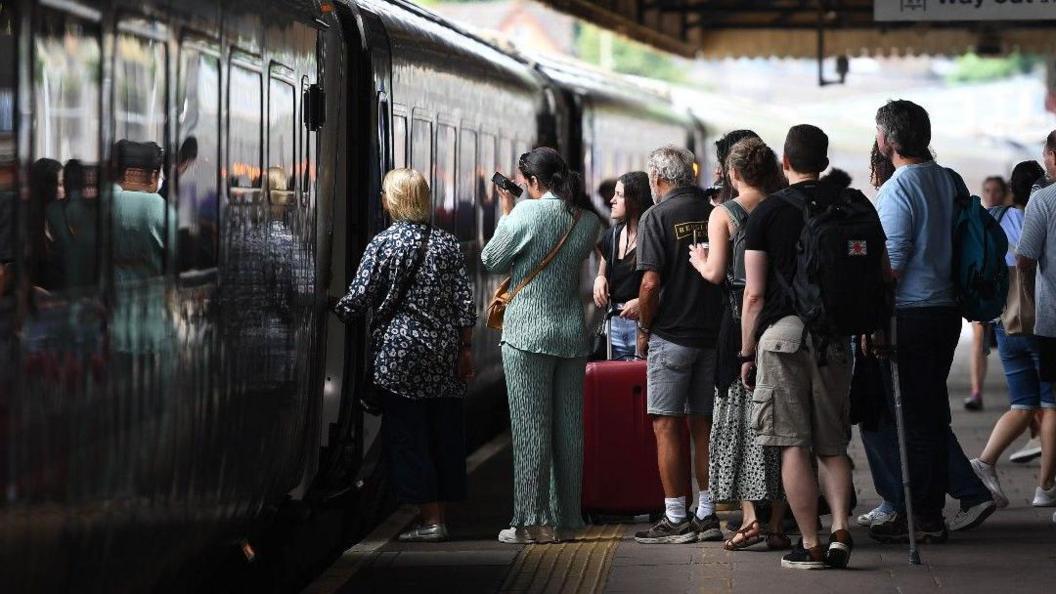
[171,394]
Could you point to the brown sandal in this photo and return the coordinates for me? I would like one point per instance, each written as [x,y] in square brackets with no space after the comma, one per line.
[778,542]
[746,540]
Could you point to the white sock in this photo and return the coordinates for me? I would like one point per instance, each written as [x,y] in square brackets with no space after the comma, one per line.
[676,509]
[705,506]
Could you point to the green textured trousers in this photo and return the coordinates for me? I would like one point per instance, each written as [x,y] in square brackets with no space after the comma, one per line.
[546,420]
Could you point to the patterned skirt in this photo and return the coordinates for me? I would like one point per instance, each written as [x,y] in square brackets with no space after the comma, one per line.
[741,470]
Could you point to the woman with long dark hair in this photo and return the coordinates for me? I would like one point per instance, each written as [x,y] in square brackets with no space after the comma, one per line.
[616,286]
[740,470]
[544,343]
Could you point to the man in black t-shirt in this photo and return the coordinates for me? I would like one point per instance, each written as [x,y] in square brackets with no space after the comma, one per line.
[678,323]
[801,400]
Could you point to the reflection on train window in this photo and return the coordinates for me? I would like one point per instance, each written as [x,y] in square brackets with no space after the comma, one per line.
[139,89]
[304,169]
[444,184]
[399,142]
[243,138]
[198,101]
[468,186]
[422,148]
[62,217]
[487,198]
[281,134]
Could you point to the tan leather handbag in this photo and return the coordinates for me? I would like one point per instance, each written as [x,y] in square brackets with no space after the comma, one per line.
[503,295]
[1018,317]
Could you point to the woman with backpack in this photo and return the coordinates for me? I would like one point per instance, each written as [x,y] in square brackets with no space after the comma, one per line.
[542,243]
[1019,357]
[616,286]
[740,469]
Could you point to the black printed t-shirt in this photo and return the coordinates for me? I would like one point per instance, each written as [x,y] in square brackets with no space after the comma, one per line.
[690,307]
[624,279]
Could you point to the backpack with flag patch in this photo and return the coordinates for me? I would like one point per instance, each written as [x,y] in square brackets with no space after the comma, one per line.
[839,287]
[980,274]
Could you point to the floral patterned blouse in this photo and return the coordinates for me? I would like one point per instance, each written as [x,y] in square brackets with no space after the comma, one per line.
[416,354]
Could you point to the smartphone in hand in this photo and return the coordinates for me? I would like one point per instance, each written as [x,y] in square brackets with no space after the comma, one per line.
[506,184]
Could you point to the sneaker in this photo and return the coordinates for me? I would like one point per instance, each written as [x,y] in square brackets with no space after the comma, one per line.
[879,514]
[515,535]
[1044,497]
[425,533]
[973,403]
[708,530]
[1028,452]
[988,475]
[666,531]
[838,554]
[801,558]
[972,516]
[897,531]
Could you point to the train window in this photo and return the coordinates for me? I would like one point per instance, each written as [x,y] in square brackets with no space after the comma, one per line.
[244,134]
[487,167]
[469,181]
[139,89]
[507,160]
[197,160]
[305,167]
[399,142]
[282,128]
[422,148]
[444,184]
[8,160]
[63,213]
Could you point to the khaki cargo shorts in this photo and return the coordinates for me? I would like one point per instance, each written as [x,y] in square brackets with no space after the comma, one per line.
[796,402]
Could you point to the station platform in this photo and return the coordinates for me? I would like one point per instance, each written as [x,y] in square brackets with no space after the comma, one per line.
[1013,551]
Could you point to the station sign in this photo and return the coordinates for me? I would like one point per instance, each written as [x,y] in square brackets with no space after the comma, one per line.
[964,10]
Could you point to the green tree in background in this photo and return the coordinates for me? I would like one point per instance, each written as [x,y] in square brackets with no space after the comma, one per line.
[973,68]
[626,56]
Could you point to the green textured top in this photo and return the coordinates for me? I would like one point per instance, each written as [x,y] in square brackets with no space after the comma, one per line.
[547,315]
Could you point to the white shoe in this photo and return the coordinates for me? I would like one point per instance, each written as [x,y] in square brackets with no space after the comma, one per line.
[1044,497]
[423,533]
[966,519]
[513,535]
[1028,452]
[876,516]
[988,475]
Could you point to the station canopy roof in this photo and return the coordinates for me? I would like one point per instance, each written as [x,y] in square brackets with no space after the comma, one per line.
[790,28]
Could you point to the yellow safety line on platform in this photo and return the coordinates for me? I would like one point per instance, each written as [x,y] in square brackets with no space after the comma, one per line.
[578,566]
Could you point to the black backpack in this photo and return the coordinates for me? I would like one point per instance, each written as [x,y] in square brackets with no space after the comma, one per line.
[839,287]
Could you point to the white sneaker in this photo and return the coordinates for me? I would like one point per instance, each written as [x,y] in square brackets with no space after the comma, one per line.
[988,475]
[513,535]
[423,533]
[966,519]
[877,516]
[1044,497]
[1028,452]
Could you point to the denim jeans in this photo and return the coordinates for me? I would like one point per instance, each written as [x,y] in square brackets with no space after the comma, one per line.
[1021,360]
[624,335]
[927,338]
[881,449]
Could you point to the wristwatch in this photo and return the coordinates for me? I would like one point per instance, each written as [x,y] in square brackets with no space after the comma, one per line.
[746,358]
[643,329]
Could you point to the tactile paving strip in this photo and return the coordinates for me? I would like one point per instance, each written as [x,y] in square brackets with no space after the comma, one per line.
[578,566]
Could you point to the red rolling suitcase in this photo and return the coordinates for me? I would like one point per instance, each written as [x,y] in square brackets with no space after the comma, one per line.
[620,475]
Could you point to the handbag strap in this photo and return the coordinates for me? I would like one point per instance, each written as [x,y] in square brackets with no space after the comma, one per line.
[549,257]
[405,286]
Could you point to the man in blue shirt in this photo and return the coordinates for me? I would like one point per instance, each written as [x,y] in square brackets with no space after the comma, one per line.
[916,210]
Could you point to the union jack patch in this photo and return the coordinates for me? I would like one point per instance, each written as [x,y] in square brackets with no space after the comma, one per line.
[857,247]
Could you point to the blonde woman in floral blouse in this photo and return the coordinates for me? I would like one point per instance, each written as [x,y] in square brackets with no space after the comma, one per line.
[421,347]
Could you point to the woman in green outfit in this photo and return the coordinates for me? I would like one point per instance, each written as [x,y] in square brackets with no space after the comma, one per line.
[544,344]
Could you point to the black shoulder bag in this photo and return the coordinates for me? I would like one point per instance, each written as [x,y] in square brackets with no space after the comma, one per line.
[370,396]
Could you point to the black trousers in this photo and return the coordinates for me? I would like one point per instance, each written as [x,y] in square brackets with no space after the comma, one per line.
[927,338]
[425,448]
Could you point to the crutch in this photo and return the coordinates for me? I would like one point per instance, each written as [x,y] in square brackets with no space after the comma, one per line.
[896,390]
